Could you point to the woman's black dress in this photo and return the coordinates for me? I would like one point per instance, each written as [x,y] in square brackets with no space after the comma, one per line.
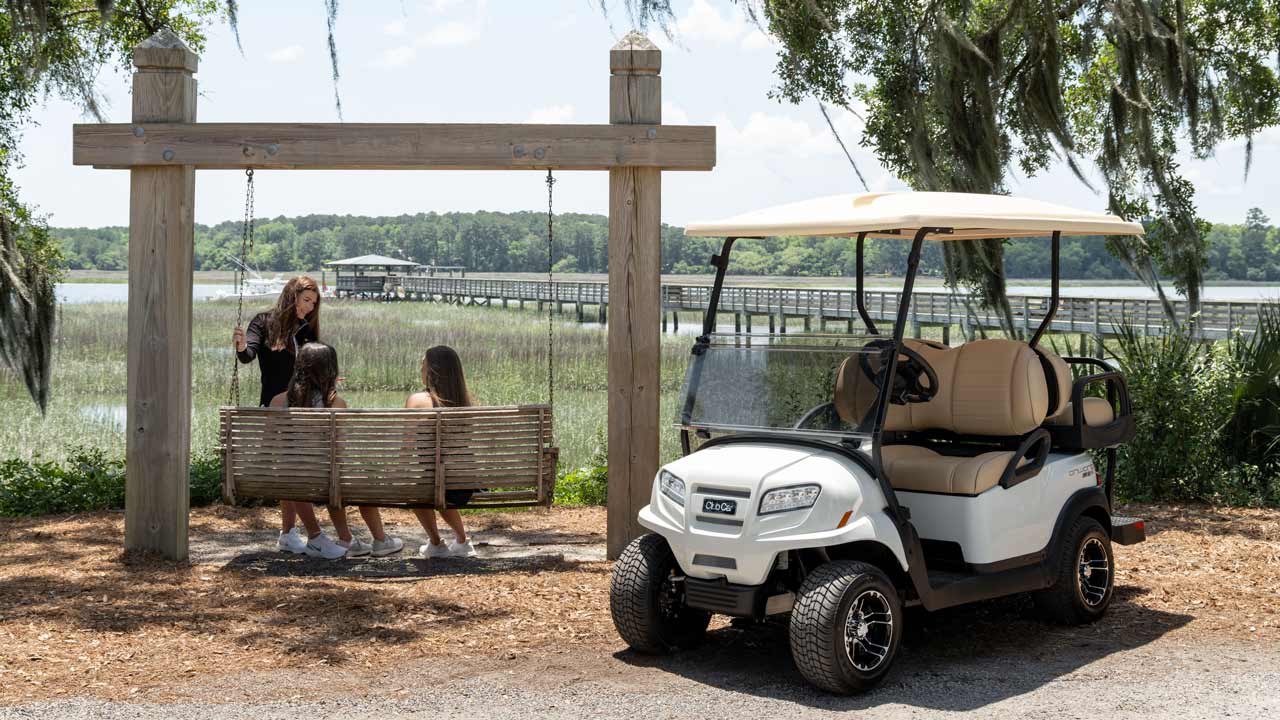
[276,365]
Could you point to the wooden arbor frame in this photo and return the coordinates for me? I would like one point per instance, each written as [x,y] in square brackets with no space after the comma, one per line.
[164,146]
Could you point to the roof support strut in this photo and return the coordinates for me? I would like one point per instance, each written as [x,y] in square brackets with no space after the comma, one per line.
[1054,274]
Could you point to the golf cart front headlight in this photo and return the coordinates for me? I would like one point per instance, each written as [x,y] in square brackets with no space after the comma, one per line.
[672,487]
[797,497]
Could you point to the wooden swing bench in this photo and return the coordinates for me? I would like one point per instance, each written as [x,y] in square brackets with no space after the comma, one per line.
[390,458]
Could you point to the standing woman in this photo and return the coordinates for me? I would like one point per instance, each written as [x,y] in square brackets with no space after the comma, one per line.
[273,338]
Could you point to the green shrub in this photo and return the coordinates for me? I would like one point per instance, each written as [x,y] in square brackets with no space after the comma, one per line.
[589,484]
[87,479]
[206,478]
[1195,404]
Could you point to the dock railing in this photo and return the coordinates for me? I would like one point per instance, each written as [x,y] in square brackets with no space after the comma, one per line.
[1096,316]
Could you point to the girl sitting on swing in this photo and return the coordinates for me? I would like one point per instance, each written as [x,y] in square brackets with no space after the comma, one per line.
[273,339]
[314,385]
[446,386]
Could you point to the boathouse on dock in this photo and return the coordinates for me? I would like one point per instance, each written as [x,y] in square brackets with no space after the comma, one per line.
[370,276]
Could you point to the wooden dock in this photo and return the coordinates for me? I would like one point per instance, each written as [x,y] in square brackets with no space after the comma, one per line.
[753,309]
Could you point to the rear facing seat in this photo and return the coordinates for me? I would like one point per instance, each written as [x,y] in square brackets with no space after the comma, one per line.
[987,388]
[1101,424]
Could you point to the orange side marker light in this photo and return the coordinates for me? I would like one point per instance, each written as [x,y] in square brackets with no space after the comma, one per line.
[844,519]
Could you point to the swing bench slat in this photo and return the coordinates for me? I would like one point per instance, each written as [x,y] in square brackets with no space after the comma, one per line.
[390,458]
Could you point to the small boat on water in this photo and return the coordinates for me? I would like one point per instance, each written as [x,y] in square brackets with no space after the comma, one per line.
[252,284]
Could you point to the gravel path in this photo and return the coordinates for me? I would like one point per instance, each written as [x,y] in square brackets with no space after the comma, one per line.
[1055,673]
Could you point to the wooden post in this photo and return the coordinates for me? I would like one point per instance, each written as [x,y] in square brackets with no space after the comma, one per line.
[635,217]
[161,244]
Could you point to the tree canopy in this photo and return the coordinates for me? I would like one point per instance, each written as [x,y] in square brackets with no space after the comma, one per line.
[960,94]
[516,242]
[56,48]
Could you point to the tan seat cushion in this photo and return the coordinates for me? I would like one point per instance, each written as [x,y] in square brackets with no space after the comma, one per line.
[911,467]
[1097,411]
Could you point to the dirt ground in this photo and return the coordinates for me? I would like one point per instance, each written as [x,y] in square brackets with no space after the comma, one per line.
[78,619]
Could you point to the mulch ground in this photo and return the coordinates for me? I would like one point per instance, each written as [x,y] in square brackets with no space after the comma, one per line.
[78,617]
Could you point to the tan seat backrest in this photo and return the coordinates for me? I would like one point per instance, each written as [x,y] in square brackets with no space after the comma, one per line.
[1061,376]
[985,387]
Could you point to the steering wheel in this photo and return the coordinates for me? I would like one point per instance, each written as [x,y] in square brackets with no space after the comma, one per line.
[911,368]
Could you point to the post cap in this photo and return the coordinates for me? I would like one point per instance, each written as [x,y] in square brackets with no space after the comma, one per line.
[166,51]
[635,54]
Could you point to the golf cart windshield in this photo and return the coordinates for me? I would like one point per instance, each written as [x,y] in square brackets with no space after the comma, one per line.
[823,385]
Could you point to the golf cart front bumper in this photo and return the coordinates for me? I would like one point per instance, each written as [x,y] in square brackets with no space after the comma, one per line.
[726,598]
[1128,530]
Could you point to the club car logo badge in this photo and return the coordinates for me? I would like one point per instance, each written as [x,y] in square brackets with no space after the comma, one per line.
[720,507]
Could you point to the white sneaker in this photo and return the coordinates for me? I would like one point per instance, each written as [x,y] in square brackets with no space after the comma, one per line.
[389,546]
[457,549]
[357,547]
[322,546]
[431,550]
[292,542]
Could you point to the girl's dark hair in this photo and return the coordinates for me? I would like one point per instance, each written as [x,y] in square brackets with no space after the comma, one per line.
[315,377]
[283,319]
[445,381]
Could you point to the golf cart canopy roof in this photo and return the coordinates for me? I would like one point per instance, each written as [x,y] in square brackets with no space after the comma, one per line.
[971,216]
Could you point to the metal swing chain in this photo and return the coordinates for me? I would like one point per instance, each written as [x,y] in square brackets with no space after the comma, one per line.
[246,248]
[551,373]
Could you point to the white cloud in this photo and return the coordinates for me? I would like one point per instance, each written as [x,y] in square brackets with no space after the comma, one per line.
[396,56]
[394,28]
[552,114]
[704,22]
[292,53]
[449,34]
[786,135]
[756,39]
[673,114]
[440,6]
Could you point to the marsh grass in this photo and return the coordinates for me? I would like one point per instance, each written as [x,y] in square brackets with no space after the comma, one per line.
[380,346]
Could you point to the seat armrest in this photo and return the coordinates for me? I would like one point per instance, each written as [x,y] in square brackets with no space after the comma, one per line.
[1035,448]
[1117,395]
[1102,365]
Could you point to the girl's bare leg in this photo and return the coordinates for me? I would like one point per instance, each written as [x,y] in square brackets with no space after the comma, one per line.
[288,516]
[373,520]
[339,518]
[306,514]
[454,518]
[427,518]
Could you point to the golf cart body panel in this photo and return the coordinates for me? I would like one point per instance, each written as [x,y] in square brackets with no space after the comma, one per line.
[1001,524]
[725,485]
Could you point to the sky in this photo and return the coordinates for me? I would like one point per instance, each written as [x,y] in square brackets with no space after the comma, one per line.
[518,61]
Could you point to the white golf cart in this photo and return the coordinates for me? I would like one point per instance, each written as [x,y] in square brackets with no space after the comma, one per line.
[844,477]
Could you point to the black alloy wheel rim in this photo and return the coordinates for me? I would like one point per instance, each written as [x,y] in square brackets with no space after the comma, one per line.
[868,631]
[1094,572]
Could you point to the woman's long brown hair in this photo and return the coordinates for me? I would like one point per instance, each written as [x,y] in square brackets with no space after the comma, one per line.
[445,381]
[283,322]
[315,377]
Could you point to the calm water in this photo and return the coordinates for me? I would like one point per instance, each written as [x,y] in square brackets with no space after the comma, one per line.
[119,292]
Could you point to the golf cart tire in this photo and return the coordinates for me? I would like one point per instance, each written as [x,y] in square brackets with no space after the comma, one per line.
[818,625]
[1069,600]
[639,577]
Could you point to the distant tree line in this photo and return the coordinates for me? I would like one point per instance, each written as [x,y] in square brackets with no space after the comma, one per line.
[516,242]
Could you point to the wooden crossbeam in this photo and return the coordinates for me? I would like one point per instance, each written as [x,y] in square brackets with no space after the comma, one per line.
[380,146]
